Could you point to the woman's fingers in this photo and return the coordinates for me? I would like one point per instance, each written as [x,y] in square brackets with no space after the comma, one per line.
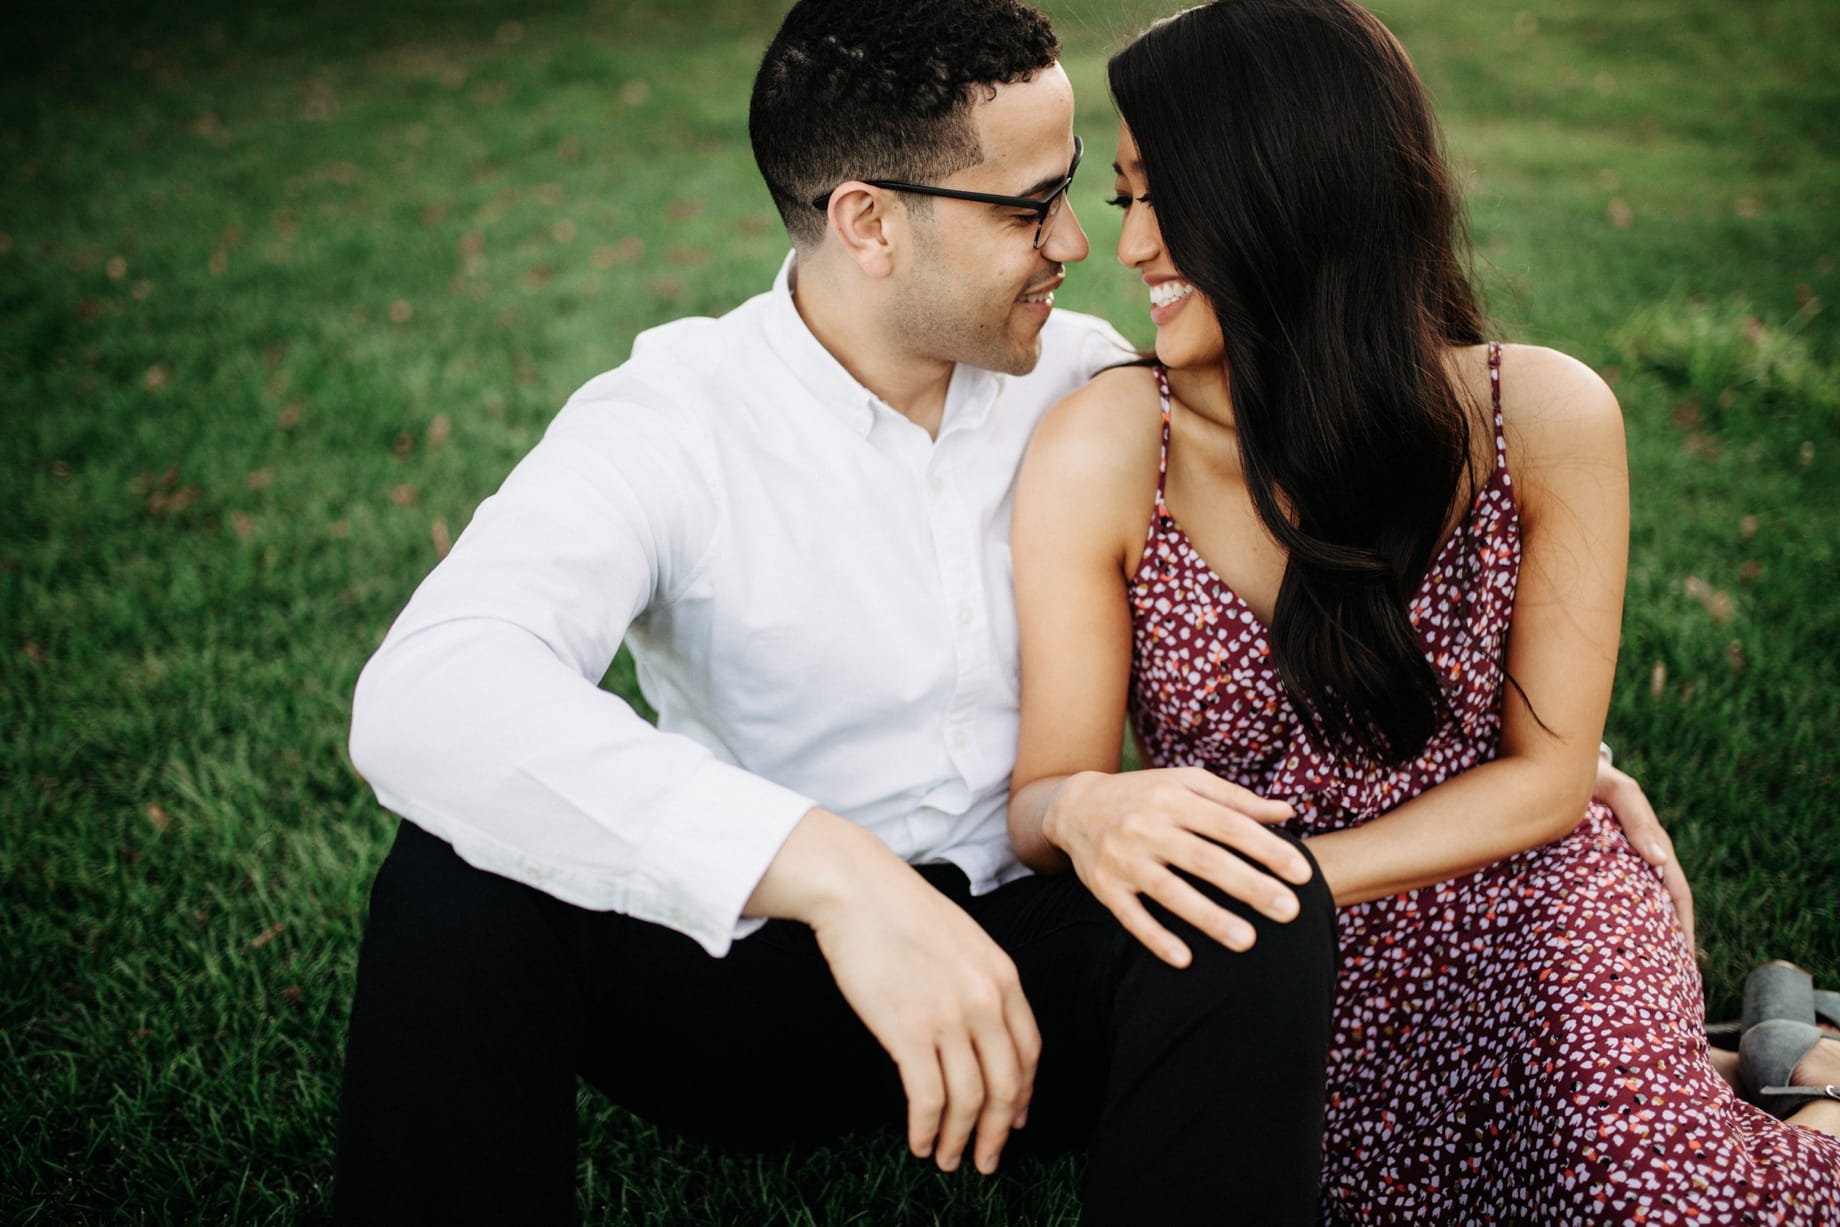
[1250,838]
[1636,814]
[1675,880]
[1135,917]
[1217,922]
[1222,848]
[1145,828]
[1234,796]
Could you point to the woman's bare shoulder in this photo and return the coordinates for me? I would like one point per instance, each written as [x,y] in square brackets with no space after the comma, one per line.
[1551,403]
[1541,383]
[1090,473]
[1106,429]
[1562,422]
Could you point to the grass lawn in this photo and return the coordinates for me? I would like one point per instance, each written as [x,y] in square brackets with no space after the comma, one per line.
[286,290]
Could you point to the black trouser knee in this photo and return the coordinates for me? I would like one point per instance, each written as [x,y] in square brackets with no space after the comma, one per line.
[1246,1029]
[480,1000]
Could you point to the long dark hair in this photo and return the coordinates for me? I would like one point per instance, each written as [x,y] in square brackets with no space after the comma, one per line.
[1298,178]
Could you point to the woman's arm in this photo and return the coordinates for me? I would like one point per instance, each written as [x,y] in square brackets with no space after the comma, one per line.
[1571,484]
[1083,504]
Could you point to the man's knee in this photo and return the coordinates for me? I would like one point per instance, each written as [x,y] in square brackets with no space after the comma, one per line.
[435,917]
[1304,944]
[1311,934]
[457,963]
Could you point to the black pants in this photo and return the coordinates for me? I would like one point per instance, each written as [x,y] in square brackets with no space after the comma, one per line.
[1198,1093]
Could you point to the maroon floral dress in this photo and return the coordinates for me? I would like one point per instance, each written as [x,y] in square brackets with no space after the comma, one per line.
[1521,1045]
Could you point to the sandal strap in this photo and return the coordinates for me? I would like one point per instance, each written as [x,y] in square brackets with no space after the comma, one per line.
[1830,1091]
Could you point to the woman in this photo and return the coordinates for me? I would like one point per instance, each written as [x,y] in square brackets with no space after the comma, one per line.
[1293,550]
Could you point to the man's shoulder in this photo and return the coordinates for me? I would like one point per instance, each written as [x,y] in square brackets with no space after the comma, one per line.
[1075,347]
[1079,332]
[678,362]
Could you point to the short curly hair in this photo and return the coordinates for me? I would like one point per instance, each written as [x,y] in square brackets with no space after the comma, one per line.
[882,89]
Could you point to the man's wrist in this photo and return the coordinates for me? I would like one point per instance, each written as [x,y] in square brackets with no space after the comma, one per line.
[825,862]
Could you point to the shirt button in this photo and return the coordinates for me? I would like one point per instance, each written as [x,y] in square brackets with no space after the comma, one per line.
[964,615]
[936,483]
[960,738]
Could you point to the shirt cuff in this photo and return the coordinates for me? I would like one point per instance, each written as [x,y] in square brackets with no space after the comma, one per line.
[705,857]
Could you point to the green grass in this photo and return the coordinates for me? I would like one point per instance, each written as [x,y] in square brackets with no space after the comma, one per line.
[285,292]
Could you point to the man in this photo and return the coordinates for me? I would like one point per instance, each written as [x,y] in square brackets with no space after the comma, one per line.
[790,911]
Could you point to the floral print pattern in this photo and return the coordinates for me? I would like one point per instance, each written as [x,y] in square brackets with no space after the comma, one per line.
[1522,1045]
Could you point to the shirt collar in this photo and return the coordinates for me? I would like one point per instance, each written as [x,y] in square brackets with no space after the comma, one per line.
[968,397]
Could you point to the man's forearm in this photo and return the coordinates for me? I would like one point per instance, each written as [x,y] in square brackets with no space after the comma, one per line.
[478,732]
[823,864]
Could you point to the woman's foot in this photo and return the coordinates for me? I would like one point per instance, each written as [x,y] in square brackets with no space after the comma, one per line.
[1725,1064]
[1820,1067]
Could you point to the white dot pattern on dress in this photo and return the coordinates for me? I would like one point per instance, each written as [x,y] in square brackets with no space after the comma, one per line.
[1522,1045]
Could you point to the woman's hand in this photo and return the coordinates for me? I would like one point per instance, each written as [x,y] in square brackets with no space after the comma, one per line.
[1127,835]
[1624,796]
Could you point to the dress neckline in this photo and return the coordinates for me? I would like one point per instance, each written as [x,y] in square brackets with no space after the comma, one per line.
[1162,520]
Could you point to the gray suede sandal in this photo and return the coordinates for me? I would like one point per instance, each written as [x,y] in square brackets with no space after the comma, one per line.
[1767,1057]
[1777,989]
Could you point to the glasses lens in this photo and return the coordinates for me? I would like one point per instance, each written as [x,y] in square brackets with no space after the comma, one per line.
[1046,224]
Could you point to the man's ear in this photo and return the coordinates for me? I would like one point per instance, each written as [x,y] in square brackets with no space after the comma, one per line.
[869,223]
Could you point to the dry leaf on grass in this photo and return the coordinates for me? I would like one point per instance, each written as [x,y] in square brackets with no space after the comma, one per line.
[1716,601]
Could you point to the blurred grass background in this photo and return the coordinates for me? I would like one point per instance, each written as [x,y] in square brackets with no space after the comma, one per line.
[285,291]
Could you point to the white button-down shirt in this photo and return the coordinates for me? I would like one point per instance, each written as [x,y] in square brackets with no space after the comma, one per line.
[817,595]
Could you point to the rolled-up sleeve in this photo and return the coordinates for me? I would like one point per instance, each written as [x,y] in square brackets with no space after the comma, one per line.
[481,719]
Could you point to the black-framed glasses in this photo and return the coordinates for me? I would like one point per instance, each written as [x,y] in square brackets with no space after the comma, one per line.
[1045,208]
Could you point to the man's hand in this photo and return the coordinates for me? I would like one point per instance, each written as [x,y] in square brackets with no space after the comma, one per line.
[1625,797]
[932,987]
[1128,834]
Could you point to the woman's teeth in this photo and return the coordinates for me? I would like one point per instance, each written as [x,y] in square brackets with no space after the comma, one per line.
[1168,293]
